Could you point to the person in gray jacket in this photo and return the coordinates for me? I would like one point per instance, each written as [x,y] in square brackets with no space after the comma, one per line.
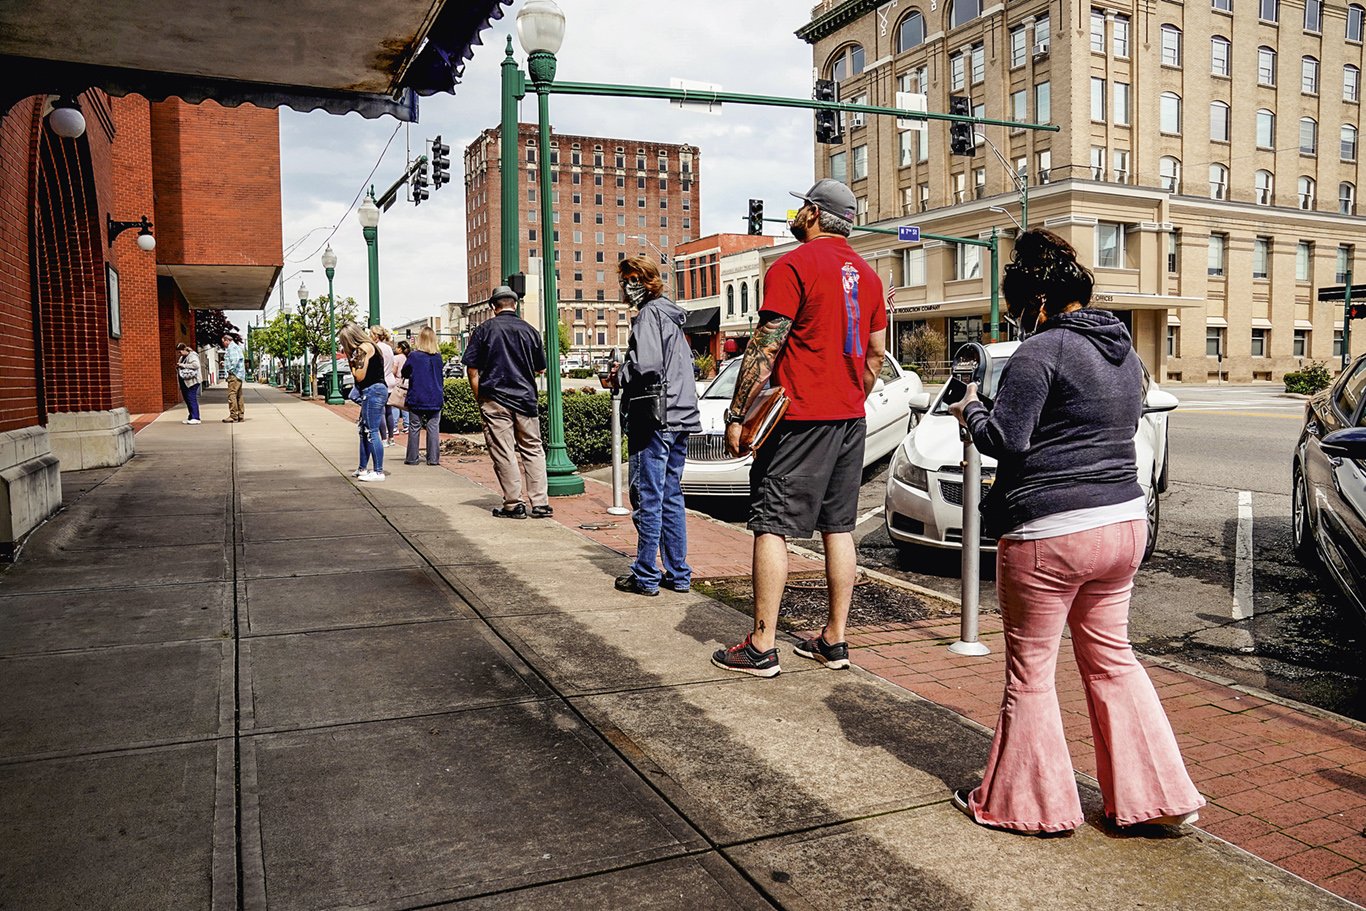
[660,404]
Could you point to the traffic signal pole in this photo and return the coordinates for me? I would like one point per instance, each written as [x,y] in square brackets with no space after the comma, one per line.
[1347,321]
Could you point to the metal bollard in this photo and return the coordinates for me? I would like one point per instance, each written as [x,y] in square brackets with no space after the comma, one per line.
[967,643]
[616,509]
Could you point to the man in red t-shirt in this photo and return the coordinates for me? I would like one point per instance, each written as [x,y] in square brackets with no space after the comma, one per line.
[821,338]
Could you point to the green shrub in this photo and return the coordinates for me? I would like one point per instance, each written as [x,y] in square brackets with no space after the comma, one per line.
[582,373]
[1308,380]
[459,411]
[587,425]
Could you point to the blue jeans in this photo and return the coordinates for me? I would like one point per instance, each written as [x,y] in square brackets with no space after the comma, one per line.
[191,395]
[372,408]
[656,471]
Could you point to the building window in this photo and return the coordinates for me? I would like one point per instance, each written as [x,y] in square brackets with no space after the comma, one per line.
[1349,142]
[963,11]
[1261,256]
[1218,121]
[1173,341]
[906,147]
[1304,191]
[1174,251]
[730,300]
[1266,129]
[1337,343]
[1259,339]
[1220,56]
[1309,75]
[1121,36]
[960,187]
[1122,103]
[979,64]
[1342,264]
[744,298]
[1304,255]
[1266,66]
[1109,245]
[956,70]
[968,261]
[1097,31]
[1263,185]
[1043,102]
[1042,34]
[1214,341]
[1313,15]
[1309,136]
[1217,245]
[1018,46]
[860,162]
[1355,17]
[1269,10]
[1097,162]
[1223,6]
[1301,348]
[1097,100]
[1171,45]
[1169,113]
[911,32]
[1019,106]
[847,62]
[1043,164]
[838,166]
[1351,83]
[1347,198]
[1121,160]
[1169,172]
[913,267]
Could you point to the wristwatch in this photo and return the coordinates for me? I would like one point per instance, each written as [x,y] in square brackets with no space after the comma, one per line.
[734,417]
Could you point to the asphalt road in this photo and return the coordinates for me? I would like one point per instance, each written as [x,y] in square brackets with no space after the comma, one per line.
[1301,641]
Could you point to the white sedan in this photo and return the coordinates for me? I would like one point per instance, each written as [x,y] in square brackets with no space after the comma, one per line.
[924,506]
[709,471]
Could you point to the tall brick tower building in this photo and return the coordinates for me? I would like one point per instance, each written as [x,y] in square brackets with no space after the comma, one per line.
[609,193]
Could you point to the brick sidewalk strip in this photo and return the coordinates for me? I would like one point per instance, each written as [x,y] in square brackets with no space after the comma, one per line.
[1284,784]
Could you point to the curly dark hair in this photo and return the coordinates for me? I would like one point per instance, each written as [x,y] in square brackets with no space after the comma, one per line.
[1044,268]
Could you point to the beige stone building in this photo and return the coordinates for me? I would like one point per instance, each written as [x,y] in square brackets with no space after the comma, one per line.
[1206,167]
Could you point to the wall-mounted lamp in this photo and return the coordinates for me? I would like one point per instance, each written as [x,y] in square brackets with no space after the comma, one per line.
[145,239]
[66,119]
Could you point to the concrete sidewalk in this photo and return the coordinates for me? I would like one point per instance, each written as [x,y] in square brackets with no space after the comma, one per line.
[234,678]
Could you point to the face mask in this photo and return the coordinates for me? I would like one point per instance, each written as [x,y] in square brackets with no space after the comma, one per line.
[1018,324]
[636,293]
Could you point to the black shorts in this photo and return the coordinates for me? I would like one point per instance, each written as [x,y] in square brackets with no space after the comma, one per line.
[806,478]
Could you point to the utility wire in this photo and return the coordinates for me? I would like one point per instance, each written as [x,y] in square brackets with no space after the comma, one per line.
[359,193]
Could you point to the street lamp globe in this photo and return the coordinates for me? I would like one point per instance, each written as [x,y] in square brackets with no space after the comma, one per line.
[540,26]
[303,293]
[368,213]
[146,242]
[66,119]
[329,258]
[286,308]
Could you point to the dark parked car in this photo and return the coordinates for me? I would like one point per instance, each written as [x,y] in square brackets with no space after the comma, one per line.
[1329,496]
[453,370]
[344,379]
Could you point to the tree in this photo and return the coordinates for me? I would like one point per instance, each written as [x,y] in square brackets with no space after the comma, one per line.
[209,327]
[311,337]
[450,351]
[566,338]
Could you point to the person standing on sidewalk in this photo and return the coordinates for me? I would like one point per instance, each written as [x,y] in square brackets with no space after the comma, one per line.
[820,336]
[235,367]
[502,359]
[1071,522]
[380,337]
[398,396]
[658,369]
[187,370]
[367,368]
[426,393]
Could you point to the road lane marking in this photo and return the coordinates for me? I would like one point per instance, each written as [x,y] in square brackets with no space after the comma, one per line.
[1242,571]
[868,515]
[1245,414]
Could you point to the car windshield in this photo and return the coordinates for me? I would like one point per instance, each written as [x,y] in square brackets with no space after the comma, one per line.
[723,387]
[988,390]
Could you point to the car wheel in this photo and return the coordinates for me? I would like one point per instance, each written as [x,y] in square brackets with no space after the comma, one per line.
[1302,534]
[1153,501]
[1164,477]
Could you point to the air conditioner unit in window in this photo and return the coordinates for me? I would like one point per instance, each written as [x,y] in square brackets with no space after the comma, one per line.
[1041,49]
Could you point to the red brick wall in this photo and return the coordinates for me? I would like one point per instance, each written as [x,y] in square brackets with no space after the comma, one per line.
[131,156]
[175,324]
[18,373]
[217,183]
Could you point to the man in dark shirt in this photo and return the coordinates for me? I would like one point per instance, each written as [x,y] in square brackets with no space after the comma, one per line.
[503,357]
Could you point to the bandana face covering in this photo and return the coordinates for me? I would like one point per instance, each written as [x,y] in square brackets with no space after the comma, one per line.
[636,293]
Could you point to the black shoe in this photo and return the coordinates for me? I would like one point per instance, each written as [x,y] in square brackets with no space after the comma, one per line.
[542,512]
[629,583]
[833,656]
[406,462]
[516,512]
[747,659]
[673,586]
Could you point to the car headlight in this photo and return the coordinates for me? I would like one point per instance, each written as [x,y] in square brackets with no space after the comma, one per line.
[908,473]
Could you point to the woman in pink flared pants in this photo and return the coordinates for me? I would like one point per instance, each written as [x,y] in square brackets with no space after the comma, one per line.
[1071,522]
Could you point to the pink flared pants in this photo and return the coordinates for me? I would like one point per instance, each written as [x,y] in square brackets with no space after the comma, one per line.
[1083,580]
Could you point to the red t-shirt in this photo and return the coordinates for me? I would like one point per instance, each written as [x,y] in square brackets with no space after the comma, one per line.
[834,300]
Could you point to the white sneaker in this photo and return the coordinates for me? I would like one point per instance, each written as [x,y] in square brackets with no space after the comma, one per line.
[193,421]
[360,471]
[187,421]
[371,476]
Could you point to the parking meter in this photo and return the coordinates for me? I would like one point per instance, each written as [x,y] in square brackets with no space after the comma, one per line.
[609,382]
[971,364]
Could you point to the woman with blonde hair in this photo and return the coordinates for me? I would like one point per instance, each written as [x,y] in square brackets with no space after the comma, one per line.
[426,392]
[367,369]
[383,341]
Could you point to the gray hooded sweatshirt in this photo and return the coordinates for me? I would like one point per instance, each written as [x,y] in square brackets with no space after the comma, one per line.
[659,351]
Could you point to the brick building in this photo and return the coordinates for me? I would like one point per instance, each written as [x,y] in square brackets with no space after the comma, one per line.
[612,198]
[92,323]
[717,281]
[1212,190]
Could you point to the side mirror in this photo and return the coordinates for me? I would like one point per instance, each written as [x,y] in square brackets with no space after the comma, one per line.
[1349,443]
[920,402]
[1159,402]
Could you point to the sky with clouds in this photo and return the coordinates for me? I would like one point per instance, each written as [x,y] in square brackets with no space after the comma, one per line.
[746,151]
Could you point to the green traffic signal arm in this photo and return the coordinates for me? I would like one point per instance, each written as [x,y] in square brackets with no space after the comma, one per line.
[696,96]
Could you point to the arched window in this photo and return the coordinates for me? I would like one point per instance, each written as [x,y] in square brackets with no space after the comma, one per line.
[1220,56]
[1309,75]
[730,300]
[744,298]
[1351,83]
[911,32]
[1309,136]
[1263,183]
[1349,142]
[1356,16]
[1304,192]
[848,61]
[1218,121]
[1218,182]
[758,300]
[1347,198]
[963,11]
[1169,113]
[1171,45]
[1169,170]
[1266,129]
[1266,66]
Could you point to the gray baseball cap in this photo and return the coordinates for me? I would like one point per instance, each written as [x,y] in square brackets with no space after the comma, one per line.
[502,291]
[829,195]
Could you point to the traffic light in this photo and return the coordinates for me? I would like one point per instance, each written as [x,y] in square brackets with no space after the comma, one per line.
[960,134]
[756,216]
[1356,311]
[827,119]
[441,163]
[517,282]
[420,191]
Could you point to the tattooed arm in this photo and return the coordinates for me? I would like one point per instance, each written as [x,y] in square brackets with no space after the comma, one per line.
[763,350]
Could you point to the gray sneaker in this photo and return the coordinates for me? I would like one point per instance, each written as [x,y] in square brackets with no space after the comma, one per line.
[832,656]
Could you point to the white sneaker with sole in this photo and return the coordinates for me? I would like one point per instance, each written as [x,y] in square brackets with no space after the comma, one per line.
[371,476]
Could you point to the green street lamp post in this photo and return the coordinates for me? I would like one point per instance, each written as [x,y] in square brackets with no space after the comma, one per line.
[368,214]
[287,311]
[305,381]
[334,396]
[540,28]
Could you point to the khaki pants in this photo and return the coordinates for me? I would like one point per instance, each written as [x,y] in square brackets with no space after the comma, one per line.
[235,398]
[515,438]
